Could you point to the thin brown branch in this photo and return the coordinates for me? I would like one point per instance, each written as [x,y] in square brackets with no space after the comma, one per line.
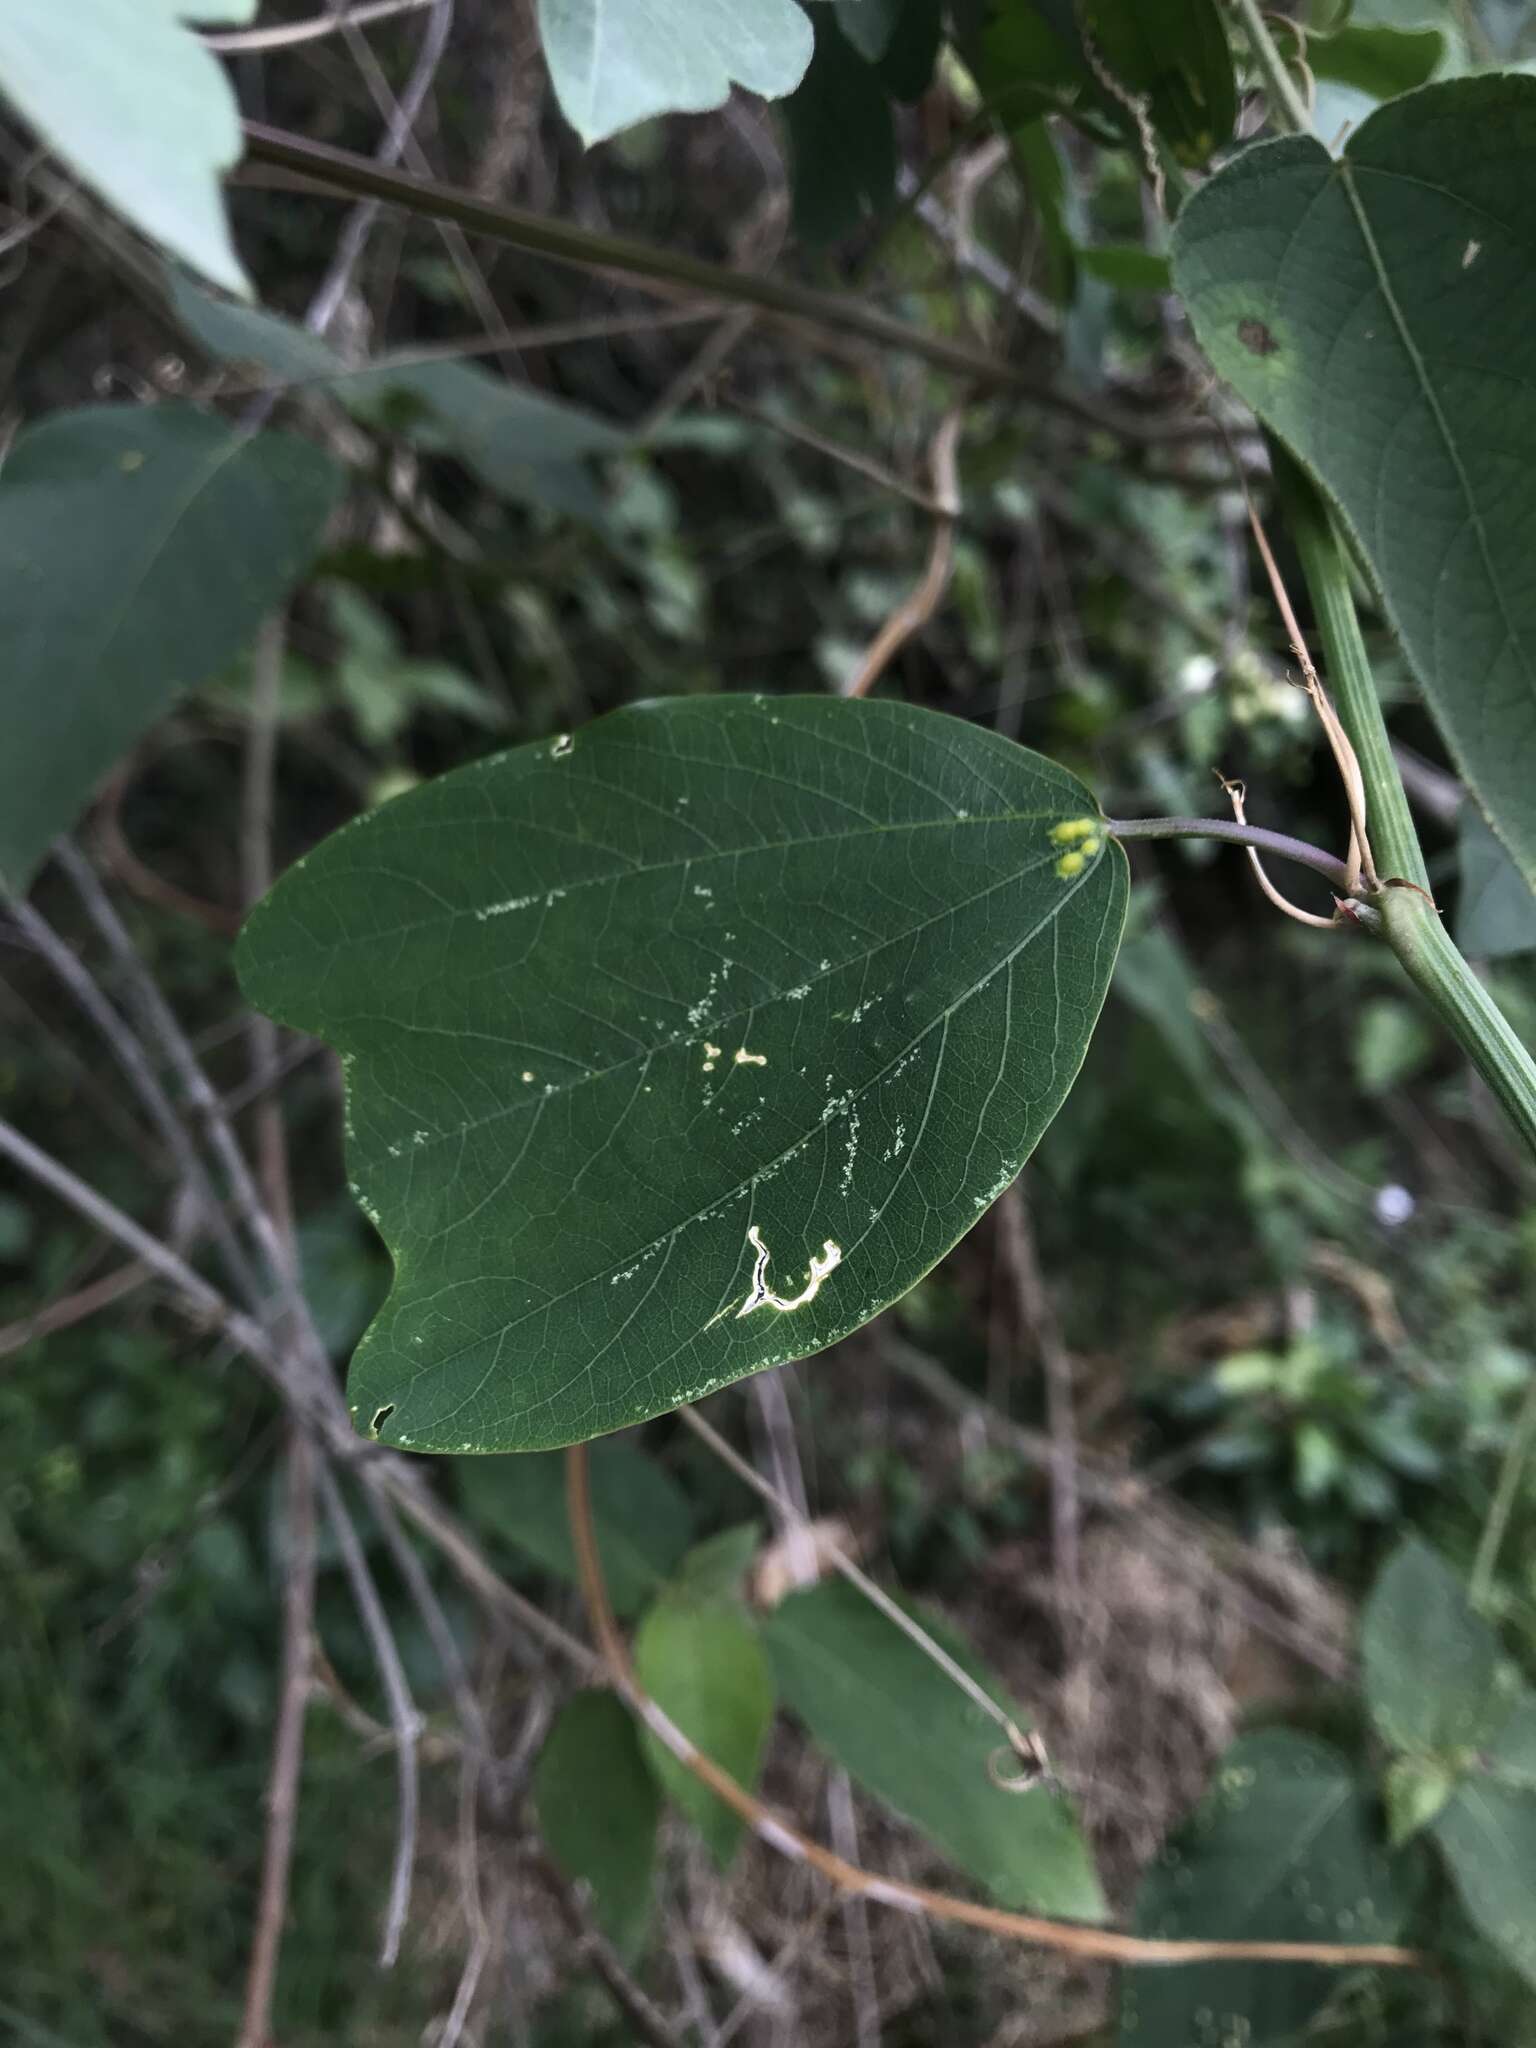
[915,611]
[649,2022]
[128,1050]
[404,1721]
[782,1835]
[244,42]
[256,878]
[74,1308]
[287,1742]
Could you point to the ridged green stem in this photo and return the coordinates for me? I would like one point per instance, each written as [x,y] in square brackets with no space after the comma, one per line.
[1411,925]
[1325,566]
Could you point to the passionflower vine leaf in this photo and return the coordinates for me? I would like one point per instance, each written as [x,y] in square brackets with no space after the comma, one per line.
[681,1046]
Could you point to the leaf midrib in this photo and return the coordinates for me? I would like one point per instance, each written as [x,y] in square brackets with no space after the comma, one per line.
[485,912]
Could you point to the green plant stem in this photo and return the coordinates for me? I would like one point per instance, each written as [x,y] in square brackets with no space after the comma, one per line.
[1287,109]
[1411,924]
[316,166]
[1325,566]
[1258,837]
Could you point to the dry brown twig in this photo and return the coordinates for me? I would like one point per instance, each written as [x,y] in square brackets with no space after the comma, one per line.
[282,1798]
[915,611]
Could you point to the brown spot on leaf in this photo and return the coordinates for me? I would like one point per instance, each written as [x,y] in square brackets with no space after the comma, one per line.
[1256,338]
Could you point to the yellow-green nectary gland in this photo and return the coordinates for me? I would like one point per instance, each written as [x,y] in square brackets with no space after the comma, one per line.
[1080,837]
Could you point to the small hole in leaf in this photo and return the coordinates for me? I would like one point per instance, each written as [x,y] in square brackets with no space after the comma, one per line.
[1256,338]
[380,1417]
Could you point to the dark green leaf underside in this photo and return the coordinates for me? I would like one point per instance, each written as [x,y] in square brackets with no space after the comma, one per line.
[681,1048]
[1380,313]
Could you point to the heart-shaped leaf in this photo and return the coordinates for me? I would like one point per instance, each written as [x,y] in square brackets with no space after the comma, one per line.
[682,1047]
[139,548]
[1379,312]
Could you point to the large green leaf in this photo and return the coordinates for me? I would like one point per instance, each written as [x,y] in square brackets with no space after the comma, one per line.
[702,1663]
[1281,1850]
[615,62]
[1379,312]
[598,1806]
[139,548]
[1430,1661]
[903,1729]
[1488,1834]
[137,106]
[682,1047]
[642,1517]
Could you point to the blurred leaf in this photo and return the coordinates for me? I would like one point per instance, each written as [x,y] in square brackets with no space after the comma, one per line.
[520,443]
[1415,1789]
[517,441]
[140,547]
[1377,60]
[1319,1460]
[384,689]
[1154,975]
[1175,52]
[717,1568]
[842,143]
[702,1663]
[1430,1662]
[1027,59]
[883,1710]
[1127,267]
[1495,909]
[134,103]
[906,67]
[869,24]
[598,1806]
[248,334]
[1281,1850]
[616,62]
[1043,177]
[1380,314]
[827,1029]
[1488,1834]
[344,1272]
[641,1515]
[1392,1042]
